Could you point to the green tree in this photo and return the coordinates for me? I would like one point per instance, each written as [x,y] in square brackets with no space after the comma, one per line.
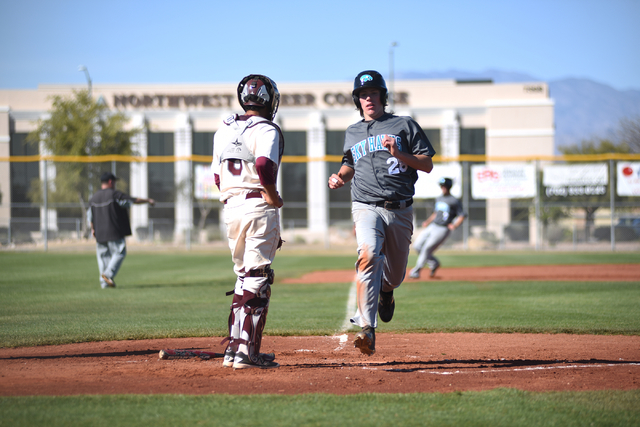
[596,146]
[629,133]
[79,126]
[590,204]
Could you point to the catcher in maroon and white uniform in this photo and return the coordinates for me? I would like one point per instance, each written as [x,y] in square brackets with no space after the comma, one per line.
[247,150]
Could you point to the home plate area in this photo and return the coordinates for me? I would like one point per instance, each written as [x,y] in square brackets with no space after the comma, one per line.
[403,363]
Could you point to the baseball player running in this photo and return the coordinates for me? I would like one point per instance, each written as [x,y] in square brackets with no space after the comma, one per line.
[247,150]
[447,216]
[382,154]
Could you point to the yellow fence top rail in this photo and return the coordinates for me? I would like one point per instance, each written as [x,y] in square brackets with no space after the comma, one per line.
[306,159]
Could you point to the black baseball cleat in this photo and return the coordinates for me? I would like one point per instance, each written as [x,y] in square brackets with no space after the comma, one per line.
[433,271]
[386,306]
[366,340]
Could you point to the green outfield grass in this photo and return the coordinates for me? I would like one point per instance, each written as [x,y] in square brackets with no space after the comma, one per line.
[54,298]
[500,407]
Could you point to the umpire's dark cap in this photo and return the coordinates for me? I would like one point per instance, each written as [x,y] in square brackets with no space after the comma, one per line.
[107,176]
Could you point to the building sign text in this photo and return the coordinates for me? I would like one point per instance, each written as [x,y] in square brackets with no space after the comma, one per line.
[226,100]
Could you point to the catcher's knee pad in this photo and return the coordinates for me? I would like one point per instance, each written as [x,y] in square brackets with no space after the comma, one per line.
[264,294]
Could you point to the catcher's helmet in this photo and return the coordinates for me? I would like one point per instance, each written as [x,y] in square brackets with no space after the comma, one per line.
[369,78]
[259,91]
[446,182]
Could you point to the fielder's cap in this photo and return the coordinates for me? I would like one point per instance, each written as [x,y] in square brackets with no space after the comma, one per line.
[446,182]
[107,176]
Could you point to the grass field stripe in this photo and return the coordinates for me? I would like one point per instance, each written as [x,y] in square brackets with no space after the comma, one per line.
[351,305]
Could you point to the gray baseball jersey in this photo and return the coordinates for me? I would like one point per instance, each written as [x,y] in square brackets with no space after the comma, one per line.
[378,175]
[447,208]
[383,235]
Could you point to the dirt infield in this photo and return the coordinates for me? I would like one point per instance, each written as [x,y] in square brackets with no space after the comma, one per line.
[403,363]
[576,273]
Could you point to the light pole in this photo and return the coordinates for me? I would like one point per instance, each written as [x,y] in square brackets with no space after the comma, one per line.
[391,92]
[86,73]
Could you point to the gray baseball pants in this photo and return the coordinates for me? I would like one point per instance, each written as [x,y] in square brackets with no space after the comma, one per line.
[426,244]
[384,242]
[110,257]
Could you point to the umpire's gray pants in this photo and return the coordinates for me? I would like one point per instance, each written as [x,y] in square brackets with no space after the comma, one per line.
[384,242]
[110,257]
[426,244]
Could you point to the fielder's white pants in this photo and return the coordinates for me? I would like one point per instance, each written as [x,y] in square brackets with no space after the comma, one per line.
[253,230]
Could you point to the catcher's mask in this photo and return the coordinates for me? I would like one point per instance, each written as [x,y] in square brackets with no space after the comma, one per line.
[366,79]
[257,90]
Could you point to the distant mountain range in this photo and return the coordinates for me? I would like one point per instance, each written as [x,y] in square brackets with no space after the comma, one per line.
[584,109]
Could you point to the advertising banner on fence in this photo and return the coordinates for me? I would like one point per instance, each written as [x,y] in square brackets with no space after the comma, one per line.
[205,184]
[575,180]
[628,179]
[427,185]
[503,181]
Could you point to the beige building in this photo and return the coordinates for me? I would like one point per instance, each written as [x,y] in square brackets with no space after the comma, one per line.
[459,117]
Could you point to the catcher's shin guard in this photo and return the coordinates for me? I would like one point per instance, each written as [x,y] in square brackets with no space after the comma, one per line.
[234,331]
[253,317]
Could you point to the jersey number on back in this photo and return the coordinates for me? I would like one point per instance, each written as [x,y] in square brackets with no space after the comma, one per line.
[396,166]
[235,167]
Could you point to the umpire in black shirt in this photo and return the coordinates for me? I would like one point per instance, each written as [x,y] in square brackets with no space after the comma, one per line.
[109,219]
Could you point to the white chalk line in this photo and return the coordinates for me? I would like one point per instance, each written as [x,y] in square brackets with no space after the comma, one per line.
[346,324]
[539,368]
[351,304]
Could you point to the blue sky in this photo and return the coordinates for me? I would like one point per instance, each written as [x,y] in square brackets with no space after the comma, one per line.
[197,41]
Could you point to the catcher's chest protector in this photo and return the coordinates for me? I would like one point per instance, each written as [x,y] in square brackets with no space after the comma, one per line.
[237,150]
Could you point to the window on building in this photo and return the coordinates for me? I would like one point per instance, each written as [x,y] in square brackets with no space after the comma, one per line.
[340,199]
[518,228]
[22,174]
[202,145]
[434,138]
[294,180]
[161,182]
[472,141]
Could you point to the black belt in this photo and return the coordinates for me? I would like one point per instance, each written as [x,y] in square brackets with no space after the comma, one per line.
[391,204]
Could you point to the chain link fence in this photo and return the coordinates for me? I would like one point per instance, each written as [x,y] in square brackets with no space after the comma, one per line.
[573,215]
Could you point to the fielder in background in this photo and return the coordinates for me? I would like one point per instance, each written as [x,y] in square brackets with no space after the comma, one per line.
[108,216]
[382,154]
[447,216]
[247,150]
